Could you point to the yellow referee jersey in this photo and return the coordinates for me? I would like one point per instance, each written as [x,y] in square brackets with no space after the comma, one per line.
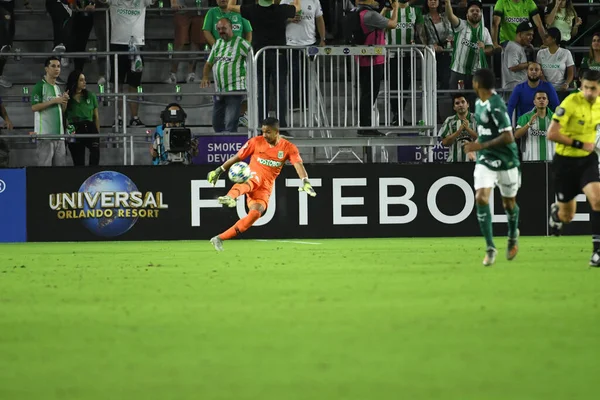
[578,120]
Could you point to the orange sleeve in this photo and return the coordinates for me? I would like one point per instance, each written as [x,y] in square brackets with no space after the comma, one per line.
[247,149]
[294,154]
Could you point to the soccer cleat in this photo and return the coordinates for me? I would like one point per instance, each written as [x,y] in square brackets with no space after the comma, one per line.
[227,201]
[217,243]
[595,260]
[555,227]
[513,247]
[490,256]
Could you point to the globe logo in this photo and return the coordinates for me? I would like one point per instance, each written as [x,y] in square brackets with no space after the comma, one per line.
[108,181]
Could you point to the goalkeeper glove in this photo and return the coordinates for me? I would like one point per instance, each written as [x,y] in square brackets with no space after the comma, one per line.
[306,187]
[213,176]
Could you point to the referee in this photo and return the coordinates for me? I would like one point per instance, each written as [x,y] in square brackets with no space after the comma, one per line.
[575,164]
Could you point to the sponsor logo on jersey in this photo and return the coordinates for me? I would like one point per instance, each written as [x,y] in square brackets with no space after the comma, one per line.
[404,25]
[516,20]
[551,66]
[537,132]
[124,11]
[236,27]
[269,163]
[470,44]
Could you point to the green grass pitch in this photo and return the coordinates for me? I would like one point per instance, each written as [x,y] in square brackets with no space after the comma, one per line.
[363,319]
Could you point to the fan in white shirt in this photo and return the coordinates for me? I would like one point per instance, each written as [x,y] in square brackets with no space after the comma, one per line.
[557,63]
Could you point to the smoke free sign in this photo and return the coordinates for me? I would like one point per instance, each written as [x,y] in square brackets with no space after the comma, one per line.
[217,149]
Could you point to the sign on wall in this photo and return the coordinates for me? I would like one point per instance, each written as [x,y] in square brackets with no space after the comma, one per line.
[13,205]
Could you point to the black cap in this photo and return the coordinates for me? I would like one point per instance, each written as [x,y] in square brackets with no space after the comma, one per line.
[474,3]
[524,27]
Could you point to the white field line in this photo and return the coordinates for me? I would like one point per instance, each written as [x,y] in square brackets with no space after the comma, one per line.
[286,241]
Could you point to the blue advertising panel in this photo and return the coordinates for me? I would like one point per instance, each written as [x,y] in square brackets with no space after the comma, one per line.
[13,207]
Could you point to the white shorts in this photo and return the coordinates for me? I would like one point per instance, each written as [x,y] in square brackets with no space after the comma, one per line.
[508,181]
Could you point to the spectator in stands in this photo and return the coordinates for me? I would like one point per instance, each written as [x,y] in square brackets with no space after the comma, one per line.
[7,122]
[514,57]
[188,30]
[82,116]
[60,13]
[592,59]
[371,68]
[268,21]
[227,59]
[241,26]
[48,104]
[440,36]
[521,98]
[471,45]
[408,27]
[561,14]
[100,31]
[128,20]
[301,31]
[458,129]
[508,14]
[556,62]
[83,22]
[532,128]
[7,34]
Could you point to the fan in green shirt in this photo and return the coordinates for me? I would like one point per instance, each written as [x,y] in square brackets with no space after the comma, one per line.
[592,60]
[532,128]
[508,14]
[241,26]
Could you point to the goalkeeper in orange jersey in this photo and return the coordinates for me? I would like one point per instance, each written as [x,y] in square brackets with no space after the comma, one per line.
[269,153]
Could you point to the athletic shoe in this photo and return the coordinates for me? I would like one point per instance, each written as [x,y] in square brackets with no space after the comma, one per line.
[595,260]
[513,247]
[244,120]
[4,82]
[172,79]
[136,122]
[59,48]
[227,201]
[191,77]
[6,48]
[64,62]
[102,81]
[490,256]
[217,243]
[555,227]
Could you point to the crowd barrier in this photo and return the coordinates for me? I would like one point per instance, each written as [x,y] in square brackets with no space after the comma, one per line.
[177,203]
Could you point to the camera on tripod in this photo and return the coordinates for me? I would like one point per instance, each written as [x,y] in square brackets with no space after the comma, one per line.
[173,142]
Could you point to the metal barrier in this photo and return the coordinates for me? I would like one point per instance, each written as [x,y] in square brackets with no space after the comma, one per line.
[318,90]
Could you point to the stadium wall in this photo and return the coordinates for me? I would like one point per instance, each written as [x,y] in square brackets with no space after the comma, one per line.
[176,203]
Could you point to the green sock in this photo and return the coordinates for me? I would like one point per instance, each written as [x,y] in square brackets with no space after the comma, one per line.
[484,216]
[513,221]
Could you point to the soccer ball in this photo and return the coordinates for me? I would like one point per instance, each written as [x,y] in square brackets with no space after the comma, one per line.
[239,172]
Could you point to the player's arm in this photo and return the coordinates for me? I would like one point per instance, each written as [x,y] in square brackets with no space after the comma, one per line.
[557,137]
[306,186]
[213,176]
[504,139]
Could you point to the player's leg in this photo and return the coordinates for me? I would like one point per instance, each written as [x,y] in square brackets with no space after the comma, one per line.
[592,192]
[567,174]
[509,182]
[238,190]
[256,208]
[485,180]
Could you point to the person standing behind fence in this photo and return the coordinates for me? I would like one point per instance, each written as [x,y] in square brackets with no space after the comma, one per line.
[440,36]
[268,21]
[557,63]
[410,21]
[459,129]
[240,26]
[472,43]
[188,30]
[514,57]
[300,32]
[562,15]
[48,104]
[227,59]
[82,118]
[508,14]
[371,68]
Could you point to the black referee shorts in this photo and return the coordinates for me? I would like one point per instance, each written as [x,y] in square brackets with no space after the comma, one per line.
[572,174]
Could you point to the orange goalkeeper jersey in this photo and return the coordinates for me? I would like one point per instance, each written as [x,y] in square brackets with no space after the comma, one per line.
[267,160]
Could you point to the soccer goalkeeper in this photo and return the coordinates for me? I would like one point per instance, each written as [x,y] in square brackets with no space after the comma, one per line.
[269,153]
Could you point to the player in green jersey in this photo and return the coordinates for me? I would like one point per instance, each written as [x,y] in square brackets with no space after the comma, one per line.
[497,163]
